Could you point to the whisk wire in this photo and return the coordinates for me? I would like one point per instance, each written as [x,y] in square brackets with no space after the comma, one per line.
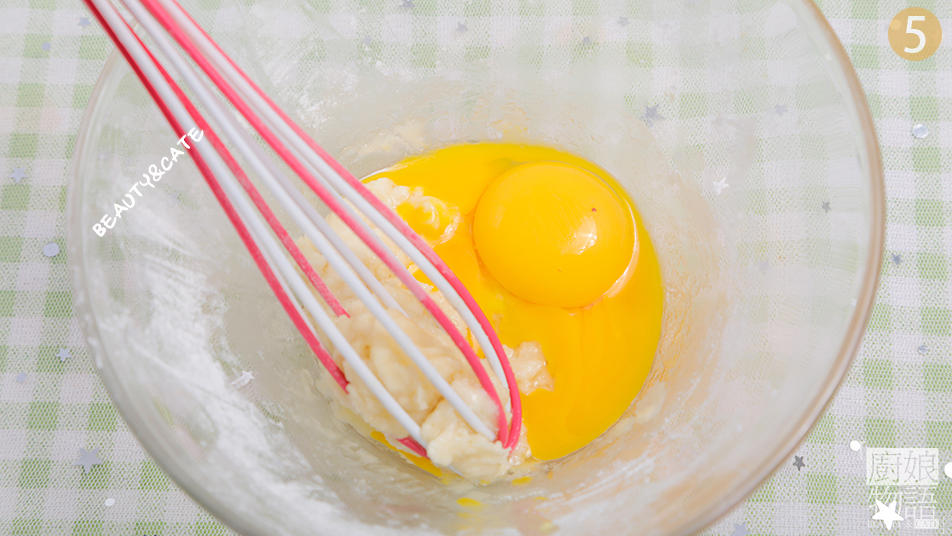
[330,174]
[337,189]
[163,89]
[240,139]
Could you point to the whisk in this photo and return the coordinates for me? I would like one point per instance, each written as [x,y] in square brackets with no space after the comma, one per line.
[267,240]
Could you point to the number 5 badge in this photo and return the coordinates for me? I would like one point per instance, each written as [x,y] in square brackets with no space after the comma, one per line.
[915,33]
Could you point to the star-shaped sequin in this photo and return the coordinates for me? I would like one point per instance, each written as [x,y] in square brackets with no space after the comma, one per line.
[798,463]
[88,459]
[243,380]
[651,115]
[887,514]
[896,258]
[63,354]
[825,206]
[18,174]
[20,378]
[46,46]
[922,349]
[623,21]
[83,22]
[461,27]
[406,4]
[740,529]
[721,185]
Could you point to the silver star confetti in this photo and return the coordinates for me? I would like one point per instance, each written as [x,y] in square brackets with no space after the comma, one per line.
[88,459]
[897,259]
[63,354]
[887,514]
[623,21]
[18,174]
[920,131]
[922,349]
[461,27]
[21,377]
[109,502]
[651,115]
[721,185]
[243,380]
[586,41]
[83,22]
[740,529]
[798,463]
[45,46]
[780,109]
[407,4]
[826,206]
[51,250]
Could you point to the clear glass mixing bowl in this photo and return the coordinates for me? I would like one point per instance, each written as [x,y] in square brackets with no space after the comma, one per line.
[737,126]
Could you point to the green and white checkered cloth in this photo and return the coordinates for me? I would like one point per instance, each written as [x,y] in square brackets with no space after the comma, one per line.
[898,393]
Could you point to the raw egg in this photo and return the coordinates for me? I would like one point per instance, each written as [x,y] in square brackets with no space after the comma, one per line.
[555,253]
[553,234]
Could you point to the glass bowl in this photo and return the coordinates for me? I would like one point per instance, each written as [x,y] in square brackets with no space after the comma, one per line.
[738,128]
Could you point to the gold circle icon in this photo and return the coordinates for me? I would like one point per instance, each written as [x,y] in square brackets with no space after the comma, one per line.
[915,33]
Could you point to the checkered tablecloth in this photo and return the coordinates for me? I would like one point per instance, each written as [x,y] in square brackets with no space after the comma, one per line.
[52,404]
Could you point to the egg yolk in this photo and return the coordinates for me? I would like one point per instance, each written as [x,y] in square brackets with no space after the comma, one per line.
[554,253]
[553,234]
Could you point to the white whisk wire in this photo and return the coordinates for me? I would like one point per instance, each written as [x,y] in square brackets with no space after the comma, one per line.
[331,187]
[240,139]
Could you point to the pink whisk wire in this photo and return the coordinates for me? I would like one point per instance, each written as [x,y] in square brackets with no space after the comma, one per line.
[322,355]
[398,223]
[333,204]
[507,435]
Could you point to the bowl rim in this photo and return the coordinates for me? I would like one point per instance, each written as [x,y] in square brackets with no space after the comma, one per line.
[121,398]
[864,301]
[716,510]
